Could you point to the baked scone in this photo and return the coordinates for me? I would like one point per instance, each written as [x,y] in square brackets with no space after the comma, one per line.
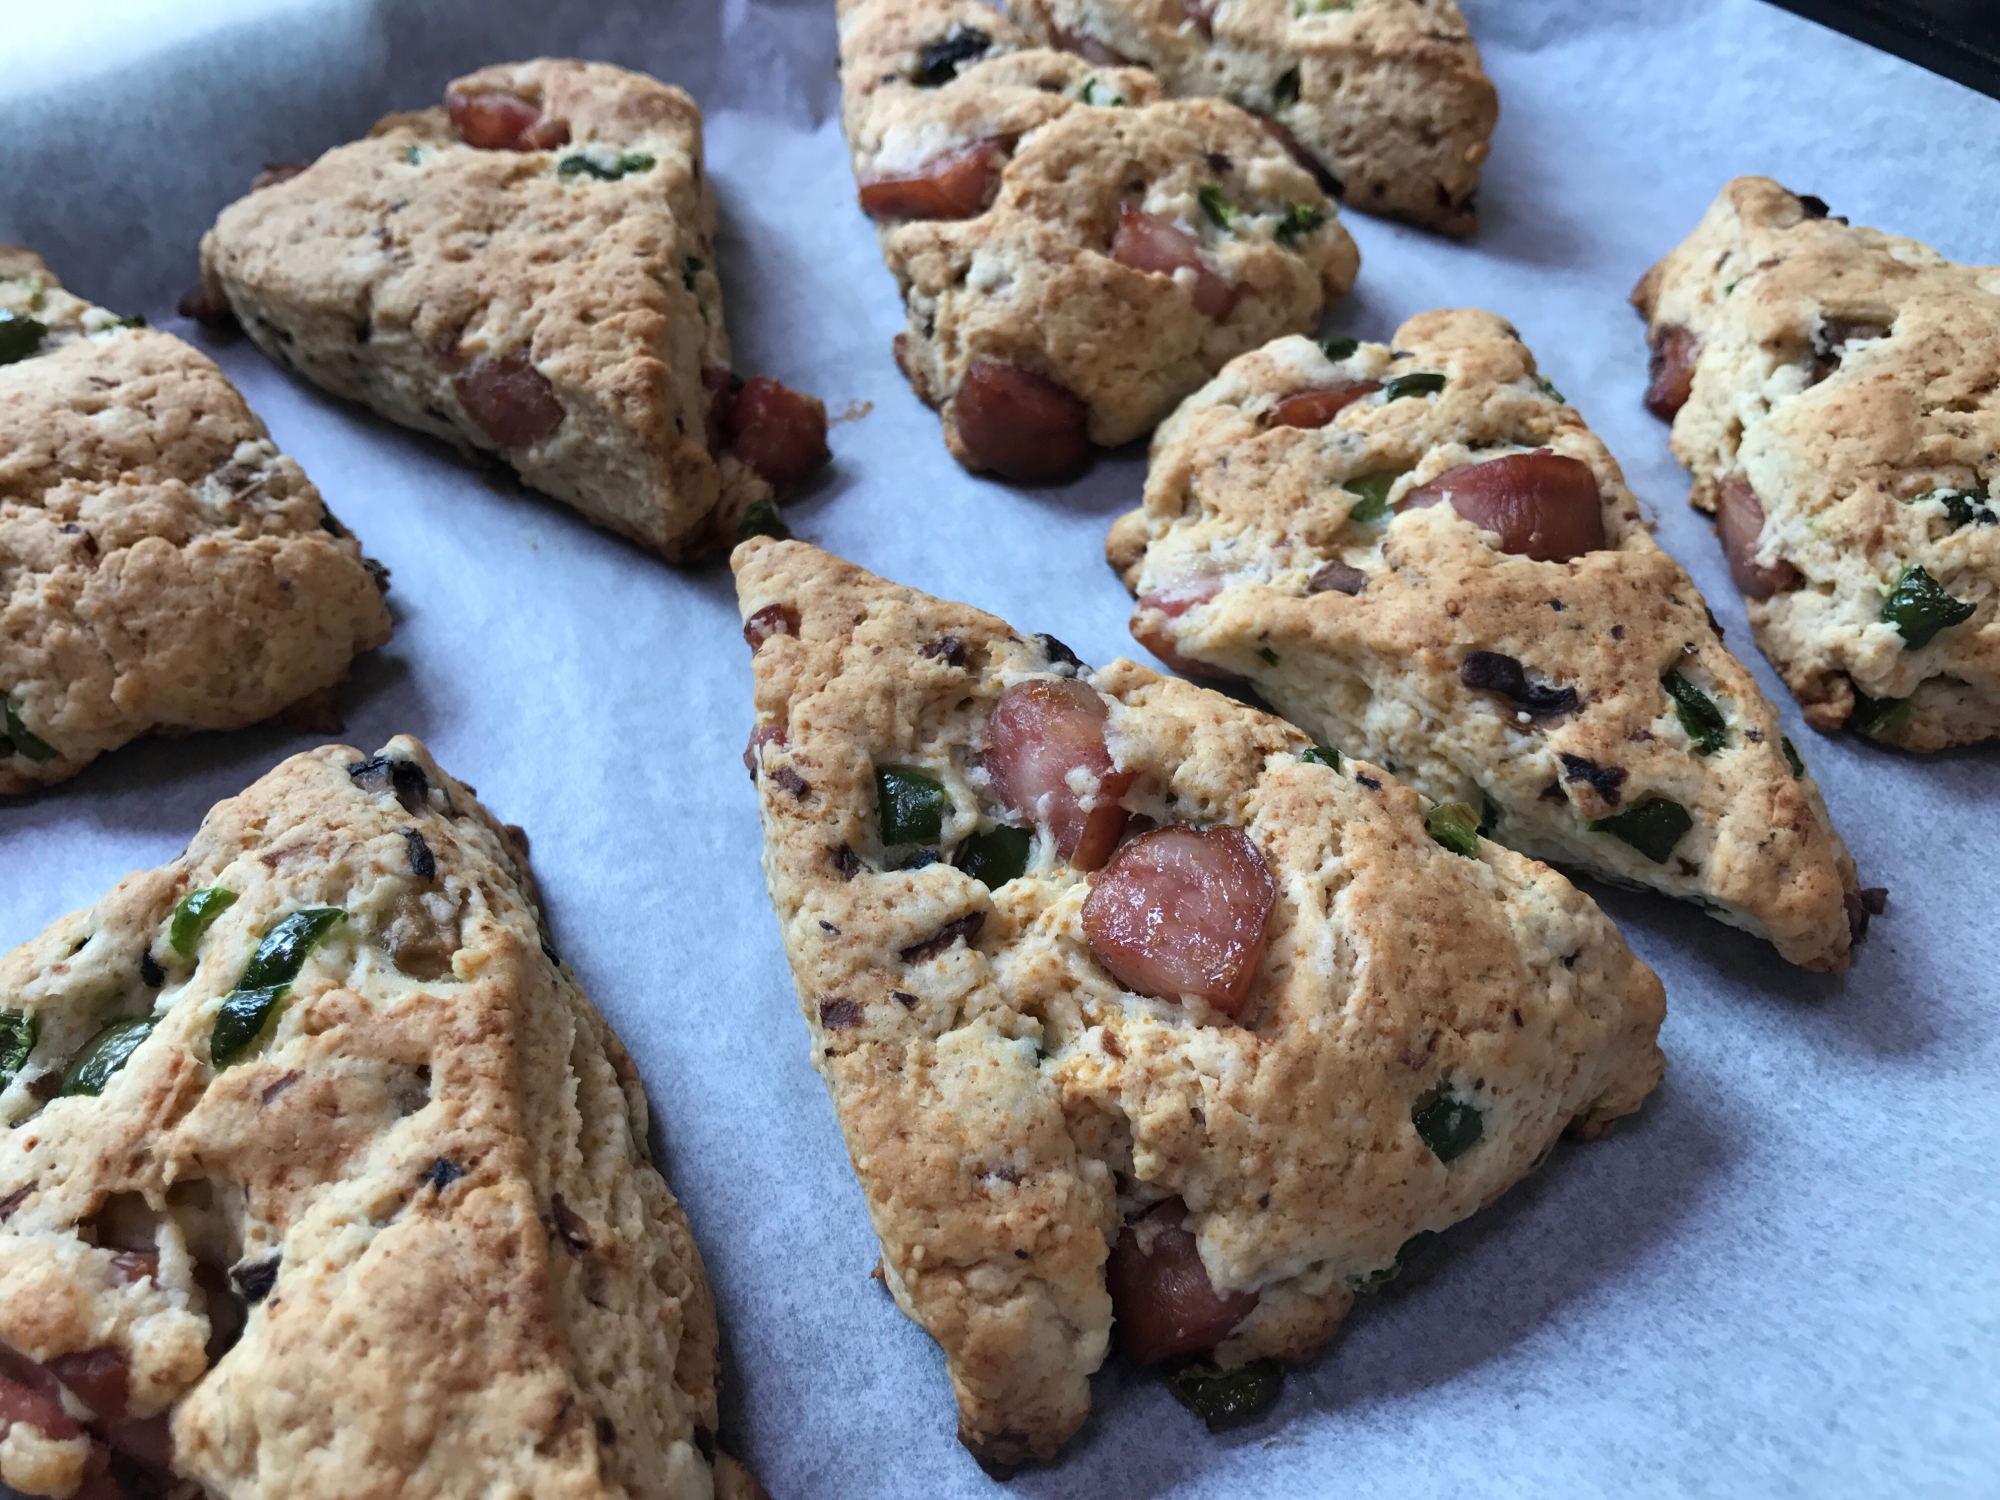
[326,1179]
[1525,652]
[528,272]
[1227,1067]
[163,567]
[1075,253]
[1835,392]
[1384,96]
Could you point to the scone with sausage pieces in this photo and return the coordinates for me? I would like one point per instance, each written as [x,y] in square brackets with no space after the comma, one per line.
[1075,253]
[528,272]
[163,567]
[326,1179]
[1385,98]
[1835,392]
[1134,1005]
[1524,653]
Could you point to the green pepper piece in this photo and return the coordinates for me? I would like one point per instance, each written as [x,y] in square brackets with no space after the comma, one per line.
[1961,507]
[1549,389]
[19,336]
[1338,349]
[1298,221]
[1221,213]
[1653,827]
[631,161]
[282,954]
[910,804]
[1285,92]
[1919,607]
[1424,383]
[1879,718]
[18,1030]
[192,917]
[24,742]
[1374,492]
[1267,656]
[1456,826]
[762,519]
[1792,758]
[240,1020]
[103,1055]
[1321,755]
[1374,1281]
[413,154]
[1448,1125]
[1096,91]
[996,856]
[1699,716]
[1227,1398]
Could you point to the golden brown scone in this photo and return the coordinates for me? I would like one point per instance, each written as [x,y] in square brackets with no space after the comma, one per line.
[163,567]
[1060,221]
[1553,698]
[530,274]
[1835,392]
[1009,1104]
[374,1219]
[1387,96]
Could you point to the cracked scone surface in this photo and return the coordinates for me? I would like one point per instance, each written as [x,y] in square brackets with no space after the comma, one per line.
[427,1173]
[162,565]
[1387,95]
[410,271]
[1852,379]
[1247,512]
[1007,1105]
[1029,277]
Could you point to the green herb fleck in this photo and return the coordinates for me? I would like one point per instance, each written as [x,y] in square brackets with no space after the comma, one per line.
[1227,1398]
[1221,212]
[1653,827]
[1321,755]
[18,1029]
[1285,92]
[1374,492]
[1699,716]
[911,805]
[1730,286]
[1267,656]
[1447,1124]
[1879,718]
[25,743]
[1962,507]
[19,336]
[1298,221]
[1792,757]
[1919,607]
[1338,349]
[1549,388]
[1422,384]
[1456,826]
[197,911]
[762,519]
[995,856]
[248,1008]
[103,1055]
[413,154]
[602,170]
[1096,91]
[137,320]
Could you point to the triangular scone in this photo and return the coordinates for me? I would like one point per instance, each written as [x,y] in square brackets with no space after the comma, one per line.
[529,272]
[1075,253]
[162,565]
[1836,392]
[326,1179]
[1009,1104]
[1387,96]
[1557,674]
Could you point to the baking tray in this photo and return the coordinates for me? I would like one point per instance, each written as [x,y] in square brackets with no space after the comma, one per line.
[1776,1280]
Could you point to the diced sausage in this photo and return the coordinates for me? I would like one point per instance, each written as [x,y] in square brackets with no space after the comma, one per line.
[129,1266]
[1319,406]
[1336,578]
[1021,425]
[509,400]
[1040,731]
[762,735]
[779,432]
[1294,148]
[208,308]
[494,121]
[1161,1296]
[1544,505]
[1671,368]
[1148,242]
[1739,521]
[99,1378]
[35,1404]
[1151,627]
[1182,911]
[276,172]
[955,185]
[148,1439]
[772,619]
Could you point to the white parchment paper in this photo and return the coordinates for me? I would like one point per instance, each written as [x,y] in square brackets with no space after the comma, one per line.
[1778,1280]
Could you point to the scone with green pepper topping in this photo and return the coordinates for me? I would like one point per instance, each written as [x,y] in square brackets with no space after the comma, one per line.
[326,1179]
[1075,253]
[528,272]
[163,567]
[1836,393]
[1419,553]
[1134,1004]
[1384,98]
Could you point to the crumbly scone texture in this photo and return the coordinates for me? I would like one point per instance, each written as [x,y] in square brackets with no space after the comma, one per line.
[1260,508]
[434,1157]
[1387,94]
[1007,1105]
[397,264]
[1031,280]
[163,567]
[1849,376]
